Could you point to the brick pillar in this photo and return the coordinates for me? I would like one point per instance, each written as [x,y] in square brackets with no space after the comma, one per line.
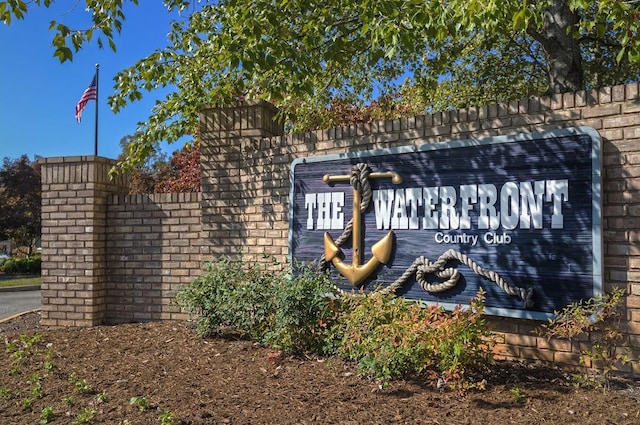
[232,186]
[74,207]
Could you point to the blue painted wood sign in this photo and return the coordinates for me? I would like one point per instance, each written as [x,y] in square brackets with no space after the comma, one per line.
[519,216]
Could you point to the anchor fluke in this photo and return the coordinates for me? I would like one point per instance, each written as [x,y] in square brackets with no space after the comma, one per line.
[331,250]
[382,249]
[354,272]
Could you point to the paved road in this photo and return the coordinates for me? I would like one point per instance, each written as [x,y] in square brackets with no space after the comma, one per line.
[15,302]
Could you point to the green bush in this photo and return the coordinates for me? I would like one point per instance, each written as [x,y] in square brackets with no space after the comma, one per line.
[304,311]
[29,265]
[9,265]
[392,338]
[212,298]
[263,302]
[387,337]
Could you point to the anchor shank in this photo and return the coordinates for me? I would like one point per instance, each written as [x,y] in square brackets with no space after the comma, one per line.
[357,273]
[356,235]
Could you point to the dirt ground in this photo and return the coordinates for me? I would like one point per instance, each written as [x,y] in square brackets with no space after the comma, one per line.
[156,373]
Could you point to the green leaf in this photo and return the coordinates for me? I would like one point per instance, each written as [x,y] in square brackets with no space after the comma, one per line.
[63,54]
[519,19]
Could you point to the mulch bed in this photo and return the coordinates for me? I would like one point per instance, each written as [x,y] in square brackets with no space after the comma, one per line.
[169,369]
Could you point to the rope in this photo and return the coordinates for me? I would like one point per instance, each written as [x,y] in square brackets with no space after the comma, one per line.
[421,266]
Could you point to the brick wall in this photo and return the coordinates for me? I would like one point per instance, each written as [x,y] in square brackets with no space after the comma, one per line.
[110,257]
[74,266]
[153,248]
[246,180]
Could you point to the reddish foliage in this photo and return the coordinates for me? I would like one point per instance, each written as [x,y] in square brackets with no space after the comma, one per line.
[180,174]
[185,164]
[141,181]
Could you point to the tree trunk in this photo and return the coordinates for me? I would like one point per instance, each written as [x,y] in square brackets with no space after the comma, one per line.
[562,49]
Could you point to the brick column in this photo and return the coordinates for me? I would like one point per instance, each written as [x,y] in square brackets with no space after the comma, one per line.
[235,191]
[74,207]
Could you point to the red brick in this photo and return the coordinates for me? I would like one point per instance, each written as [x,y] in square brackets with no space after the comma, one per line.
[600,111]
[554,344]
[537,354]
[564,358]
[521,340]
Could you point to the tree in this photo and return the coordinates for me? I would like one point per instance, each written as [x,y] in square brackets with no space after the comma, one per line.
[144,177]
[159,174]
[304,54]
[20,202]
[185,176]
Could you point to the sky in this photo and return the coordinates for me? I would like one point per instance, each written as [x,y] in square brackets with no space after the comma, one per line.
[39,94]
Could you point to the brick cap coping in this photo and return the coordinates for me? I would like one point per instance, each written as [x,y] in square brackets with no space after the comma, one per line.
[75,159]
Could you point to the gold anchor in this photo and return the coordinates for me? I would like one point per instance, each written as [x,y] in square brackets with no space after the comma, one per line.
[356,273]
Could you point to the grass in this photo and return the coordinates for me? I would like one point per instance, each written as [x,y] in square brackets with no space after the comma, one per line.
[20,281]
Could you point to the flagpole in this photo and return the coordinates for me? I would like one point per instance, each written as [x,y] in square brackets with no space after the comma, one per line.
[95,138]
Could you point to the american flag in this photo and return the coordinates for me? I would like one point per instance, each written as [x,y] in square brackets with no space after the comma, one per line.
[91,93]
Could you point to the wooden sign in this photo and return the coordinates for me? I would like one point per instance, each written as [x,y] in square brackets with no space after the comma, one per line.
[519,216]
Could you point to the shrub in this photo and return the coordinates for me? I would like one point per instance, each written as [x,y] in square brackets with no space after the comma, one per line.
[600,316]
[9,266]
[304,311]
[391,338]
[34,264]
[28,265]
[226,297]
[263,302]
[387,337]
